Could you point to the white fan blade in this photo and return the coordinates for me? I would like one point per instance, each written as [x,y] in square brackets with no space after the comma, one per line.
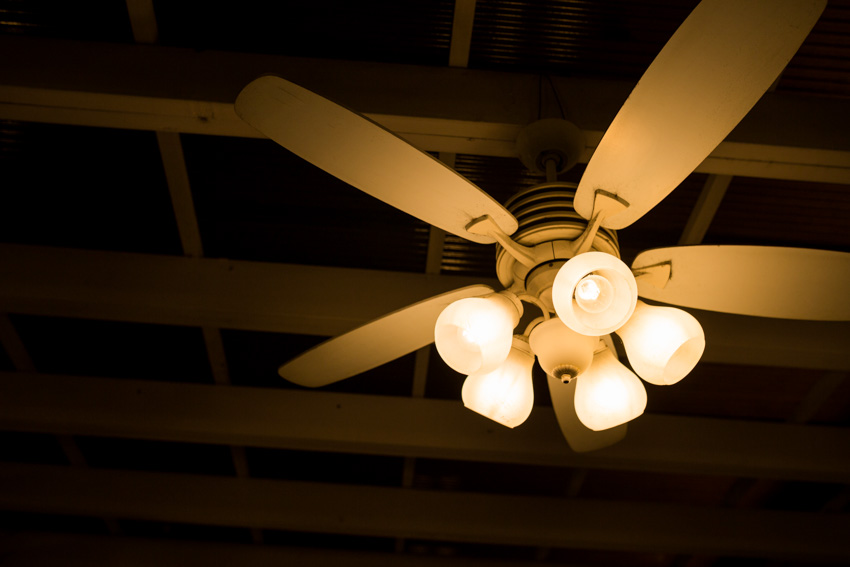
[787,283]
[374,343]
[367,156]
[713,70]
[580,438]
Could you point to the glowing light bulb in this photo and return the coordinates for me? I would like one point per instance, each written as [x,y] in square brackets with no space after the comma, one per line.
[594,293]
[663,343]
[608,394]
[587,289]
[474,334]
[506,394]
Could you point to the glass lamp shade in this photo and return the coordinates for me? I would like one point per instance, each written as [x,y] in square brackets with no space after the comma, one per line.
[561,352]
[608,394]
[663,343]
[506,394]
[594,293]
[474,334]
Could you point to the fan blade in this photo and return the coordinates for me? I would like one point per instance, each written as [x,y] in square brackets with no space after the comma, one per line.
[367,156]
[580,438]
[713,70]
[787,283]
[374,343]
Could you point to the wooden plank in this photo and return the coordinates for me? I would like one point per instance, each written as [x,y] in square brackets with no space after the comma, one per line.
[357,423]
[437,109]
[142,20]
[323,301]
[706,207]
[11,342]
[464,18]
[205,292]
[24,549]
[442,516]
[177,177]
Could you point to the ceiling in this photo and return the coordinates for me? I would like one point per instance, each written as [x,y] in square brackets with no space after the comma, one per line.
[160,259]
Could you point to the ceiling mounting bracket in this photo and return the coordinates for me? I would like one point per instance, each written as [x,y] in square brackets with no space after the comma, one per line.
[550,144]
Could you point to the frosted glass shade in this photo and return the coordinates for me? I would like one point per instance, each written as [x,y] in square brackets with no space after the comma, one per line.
[474,334]
[594,293]
[506,394]
[561,352]
[608,394]
[663,343]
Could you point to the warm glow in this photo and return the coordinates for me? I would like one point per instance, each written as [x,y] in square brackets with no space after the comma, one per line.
[594,293]
[608,394]
[506,394]
[663,343]
[474,334]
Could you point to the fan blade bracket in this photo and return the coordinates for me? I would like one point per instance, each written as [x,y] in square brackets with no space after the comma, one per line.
[486,226]
[708,76]
[656,275]
[605,205]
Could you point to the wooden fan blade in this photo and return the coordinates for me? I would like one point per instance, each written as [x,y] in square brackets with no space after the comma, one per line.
[787,283]
[580,438]
[713,70]
[365,155]
[374,343]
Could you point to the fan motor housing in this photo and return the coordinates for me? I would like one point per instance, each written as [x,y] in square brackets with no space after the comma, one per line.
[546,215]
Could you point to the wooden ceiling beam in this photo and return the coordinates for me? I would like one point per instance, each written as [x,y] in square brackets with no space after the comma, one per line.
[435,108]
[409,427]
[313,300]
[424,514]
[32,549]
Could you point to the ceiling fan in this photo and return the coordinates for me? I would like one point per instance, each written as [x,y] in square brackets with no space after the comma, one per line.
[556,245]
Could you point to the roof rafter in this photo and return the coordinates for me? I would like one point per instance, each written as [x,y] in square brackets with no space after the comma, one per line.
[356,423]
[442,516]
[437,109]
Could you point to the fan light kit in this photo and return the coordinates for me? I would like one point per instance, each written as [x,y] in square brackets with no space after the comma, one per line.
[556,245]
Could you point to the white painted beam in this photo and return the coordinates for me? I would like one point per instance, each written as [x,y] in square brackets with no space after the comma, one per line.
[412,427]
[325,301]
[437,109]
[142,20]
[220,293]
[424,514]
[462,23]
[25,549]
[705,209]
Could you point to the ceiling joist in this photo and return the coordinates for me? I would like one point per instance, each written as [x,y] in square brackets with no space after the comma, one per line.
[42,549]
[440,515]
[287,298]
[354,423]
[437,109]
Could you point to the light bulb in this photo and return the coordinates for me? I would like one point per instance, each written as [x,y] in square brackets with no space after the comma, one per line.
[506,394]
[608,394]
[474,334]
[594,293]
[561,352]
[663,343]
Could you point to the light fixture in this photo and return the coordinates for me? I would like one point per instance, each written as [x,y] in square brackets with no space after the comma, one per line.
[663,343]
[561,352]
[506,394]
[608,394]
[594,293]
[474,334]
